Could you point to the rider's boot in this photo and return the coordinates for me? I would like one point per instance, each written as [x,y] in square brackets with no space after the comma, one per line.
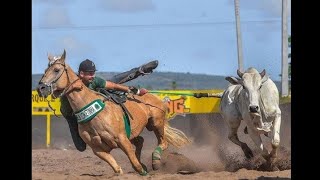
[135,72]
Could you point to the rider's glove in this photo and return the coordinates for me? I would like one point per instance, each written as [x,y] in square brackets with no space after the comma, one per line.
[137,91]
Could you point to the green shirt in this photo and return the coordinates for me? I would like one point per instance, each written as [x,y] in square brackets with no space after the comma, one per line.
[66,109]
[97,82]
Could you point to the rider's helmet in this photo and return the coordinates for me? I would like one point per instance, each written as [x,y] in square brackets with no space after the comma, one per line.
[87,66]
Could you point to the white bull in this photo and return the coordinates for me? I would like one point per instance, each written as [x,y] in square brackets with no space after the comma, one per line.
[253,98]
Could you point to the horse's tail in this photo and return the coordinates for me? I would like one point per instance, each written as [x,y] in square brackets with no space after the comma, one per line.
[174,136]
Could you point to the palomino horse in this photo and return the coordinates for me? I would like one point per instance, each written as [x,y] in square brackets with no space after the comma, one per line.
[106,128]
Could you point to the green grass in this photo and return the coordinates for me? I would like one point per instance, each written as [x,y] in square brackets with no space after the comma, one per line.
[286,99]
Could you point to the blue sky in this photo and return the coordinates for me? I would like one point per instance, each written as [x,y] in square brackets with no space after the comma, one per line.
[195,36]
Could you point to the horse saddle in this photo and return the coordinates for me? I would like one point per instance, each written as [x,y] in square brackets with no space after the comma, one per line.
[117,97]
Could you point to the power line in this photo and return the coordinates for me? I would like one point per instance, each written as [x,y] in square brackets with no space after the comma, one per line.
[150,25]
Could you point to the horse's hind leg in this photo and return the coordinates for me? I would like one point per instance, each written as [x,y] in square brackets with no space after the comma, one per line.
[138,143]
[106,156]
[127,148]
[158,129]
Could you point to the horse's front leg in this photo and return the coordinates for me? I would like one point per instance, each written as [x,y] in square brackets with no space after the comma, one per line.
[101,149]
[106,156]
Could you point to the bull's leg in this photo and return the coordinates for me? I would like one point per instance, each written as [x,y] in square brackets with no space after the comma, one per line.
[275,137]
[127,148]
[255,136]
[233,136]
[106,156]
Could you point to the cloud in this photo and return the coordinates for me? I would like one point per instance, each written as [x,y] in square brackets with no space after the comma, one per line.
[271,7]
[55,17]
[71,43]
[127,6]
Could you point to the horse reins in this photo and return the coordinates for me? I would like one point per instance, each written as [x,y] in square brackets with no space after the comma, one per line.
[65,91]
[57,77]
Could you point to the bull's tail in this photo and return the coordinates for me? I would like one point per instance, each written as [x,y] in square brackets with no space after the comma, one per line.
[175,136]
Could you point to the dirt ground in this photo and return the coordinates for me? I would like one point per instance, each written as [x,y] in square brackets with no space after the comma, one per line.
[210,156]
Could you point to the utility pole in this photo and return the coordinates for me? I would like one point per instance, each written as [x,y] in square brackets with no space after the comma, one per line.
[284,71]
[239,41]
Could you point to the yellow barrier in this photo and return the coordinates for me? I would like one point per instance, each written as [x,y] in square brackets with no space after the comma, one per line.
[182,104]
[178,105]
[40,107]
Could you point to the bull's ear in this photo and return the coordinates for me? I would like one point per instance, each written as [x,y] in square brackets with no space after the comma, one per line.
[233,80]
[263,73]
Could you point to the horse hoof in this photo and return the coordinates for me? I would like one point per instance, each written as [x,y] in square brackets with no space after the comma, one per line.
[120,172]
[144,167]
[156,164]
[143,173]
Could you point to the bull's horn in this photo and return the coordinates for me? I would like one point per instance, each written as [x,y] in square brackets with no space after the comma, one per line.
[263,72]
[240,74]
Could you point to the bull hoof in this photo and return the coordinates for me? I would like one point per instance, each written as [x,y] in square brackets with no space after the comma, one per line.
[274,168]
[248,154]
[156,164]
[247,151]
[270,167]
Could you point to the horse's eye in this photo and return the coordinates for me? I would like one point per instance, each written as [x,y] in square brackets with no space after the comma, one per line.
[56,70]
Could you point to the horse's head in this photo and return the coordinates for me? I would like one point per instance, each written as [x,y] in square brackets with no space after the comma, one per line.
[55,78]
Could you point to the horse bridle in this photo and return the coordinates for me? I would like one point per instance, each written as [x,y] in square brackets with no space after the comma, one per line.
[50,84]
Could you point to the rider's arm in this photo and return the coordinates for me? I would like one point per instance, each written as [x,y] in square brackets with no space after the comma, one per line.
[130,89]
[117,87]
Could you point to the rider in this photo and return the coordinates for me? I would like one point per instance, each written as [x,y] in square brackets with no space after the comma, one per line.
[86,73]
